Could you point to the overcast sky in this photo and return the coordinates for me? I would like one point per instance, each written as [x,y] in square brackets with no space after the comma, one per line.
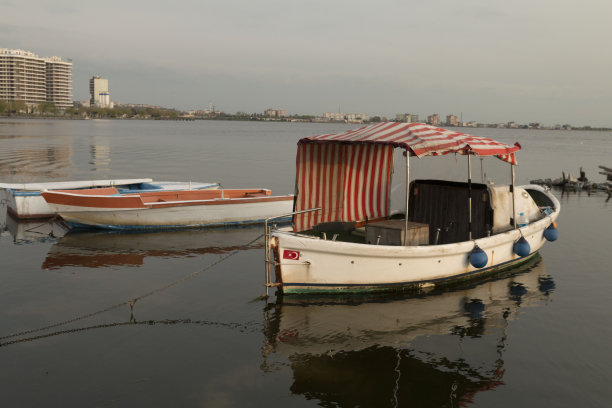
[547,61]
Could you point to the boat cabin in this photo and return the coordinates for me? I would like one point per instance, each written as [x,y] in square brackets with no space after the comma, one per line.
[438,214]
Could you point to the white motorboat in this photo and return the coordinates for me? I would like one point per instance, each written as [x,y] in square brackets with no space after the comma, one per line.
[343,238]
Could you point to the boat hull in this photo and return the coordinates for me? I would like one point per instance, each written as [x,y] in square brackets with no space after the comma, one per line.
[307,264]
[27,205]
[207,214]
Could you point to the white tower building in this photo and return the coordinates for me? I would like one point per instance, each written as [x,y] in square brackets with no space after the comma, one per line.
[98,90]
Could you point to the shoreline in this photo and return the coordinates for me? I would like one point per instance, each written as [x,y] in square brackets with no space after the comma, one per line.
[288,120]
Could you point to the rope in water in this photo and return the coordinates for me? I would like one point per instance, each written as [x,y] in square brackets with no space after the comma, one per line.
[134,300]
[243,327]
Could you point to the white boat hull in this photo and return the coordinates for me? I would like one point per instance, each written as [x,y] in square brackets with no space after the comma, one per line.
[27,206]
[215,213]
[306,264]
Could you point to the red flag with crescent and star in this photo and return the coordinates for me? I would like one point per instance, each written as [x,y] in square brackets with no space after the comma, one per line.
[289,254]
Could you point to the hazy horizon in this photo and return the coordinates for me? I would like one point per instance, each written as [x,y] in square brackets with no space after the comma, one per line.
[490,62]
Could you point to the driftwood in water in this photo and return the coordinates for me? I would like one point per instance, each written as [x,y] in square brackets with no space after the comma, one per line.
[607,171]
[568,182]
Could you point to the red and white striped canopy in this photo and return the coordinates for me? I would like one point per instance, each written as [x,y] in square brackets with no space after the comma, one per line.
[421,140]
[348,175]
[348,182]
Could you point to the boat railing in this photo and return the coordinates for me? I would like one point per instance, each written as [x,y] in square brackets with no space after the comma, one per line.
[268,229]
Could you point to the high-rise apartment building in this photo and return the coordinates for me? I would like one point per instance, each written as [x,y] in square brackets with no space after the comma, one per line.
[98,91]
[24,76]
[59,82]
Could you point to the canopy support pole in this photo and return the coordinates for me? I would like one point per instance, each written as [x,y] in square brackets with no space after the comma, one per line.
[513,197]
[482,177]
[469,197]
[407,195]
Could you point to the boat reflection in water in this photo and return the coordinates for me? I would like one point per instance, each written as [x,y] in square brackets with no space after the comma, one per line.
[438,349]
[95,249]
[24,232]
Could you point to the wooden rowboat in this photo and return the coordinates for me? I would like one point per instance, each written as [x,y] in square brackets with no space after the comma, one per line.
[106,208]
[24,200]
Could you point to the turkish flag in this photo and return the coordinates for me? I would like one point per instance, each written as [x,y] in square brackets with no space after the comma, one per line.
[289,254]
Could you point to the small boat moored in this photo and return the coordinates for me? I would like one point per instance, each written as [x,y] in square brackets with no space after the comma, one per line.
[344,239]
[106,208]
[24,200]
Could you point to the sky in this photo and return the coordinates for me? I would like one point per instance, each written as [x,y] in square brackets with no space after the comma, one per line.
[490,61]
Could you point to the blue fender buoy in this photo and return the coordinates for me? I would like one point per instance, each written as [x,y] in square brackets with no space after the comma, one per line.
[478,257]
[521,247]
[551,233]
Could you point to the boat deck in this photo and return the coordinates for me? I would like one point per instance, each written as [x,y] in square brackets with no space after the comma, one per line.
[439,215]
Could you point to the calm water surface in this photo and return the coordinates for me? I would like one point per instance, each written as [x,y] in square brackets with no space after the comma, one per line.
[69,337]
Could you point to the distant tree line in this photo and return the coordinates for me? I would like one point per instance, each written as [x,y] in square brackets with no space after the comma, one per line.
[48,109]
[123,112]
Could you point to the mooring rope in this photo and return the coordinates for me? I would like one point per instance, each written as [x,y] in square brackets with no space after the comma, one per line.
[240,326]
[50,222]
[134,300]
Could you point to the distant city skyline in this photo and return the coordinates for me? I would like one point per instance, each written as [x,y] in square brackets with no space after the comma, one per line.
[494,62]
[26,77]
